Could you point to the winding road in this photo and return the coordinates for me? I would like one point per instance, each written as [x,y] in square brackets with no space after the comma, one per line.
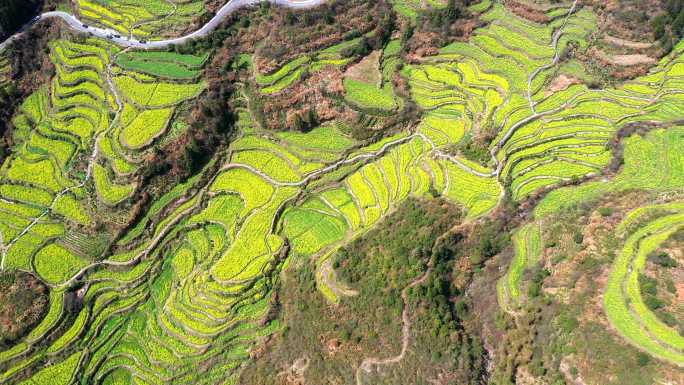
[123,41]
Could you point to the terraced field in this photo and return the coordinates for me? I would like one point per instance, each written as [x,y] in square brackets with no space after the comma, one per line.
[650,164]
[78,144]
[145,20]
[183,296]
[542,138]
[290,73]
[528,248]
[4,71]
[623,302]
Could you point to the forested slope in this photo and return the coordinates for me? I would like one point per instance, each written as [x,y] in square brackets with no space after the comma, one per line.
[14,13]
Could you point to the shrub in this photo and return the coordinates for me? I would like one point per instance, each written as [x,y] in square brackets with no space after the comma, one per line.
[578,238]
[648,285]
[567,322]
[643,359]
[669,283]
[474,150]
[663,259]
[653,303]
[668,318]
[538,276]
[605,211]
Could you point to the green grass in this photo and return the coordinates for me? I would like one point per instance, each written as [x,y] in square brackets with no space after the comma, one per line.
[56,374]
[52,317]
[249,253]
[443,130]
[92,62]
[480,6]
[164,70]
[342,200]
[41,147]
[157,206]
[92,89]
[43,174]
[283,82]
[118,163]
[70,335]
[541,154]
[324,138]
[392,48]
[202,283]
[183,261]
[35,106]
[478,194]
[190,61]
[376,179]
[411,8]
[71,209]
[359,188]
[145,20]
[272,165]
[282,72]
[222,209]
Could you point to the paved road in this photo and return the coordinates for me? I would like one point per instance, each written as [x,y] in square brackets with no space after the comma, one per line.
[123,41]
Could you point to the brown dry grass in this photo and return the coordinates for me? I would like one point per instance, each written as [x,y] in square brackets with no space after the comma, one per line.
[527,12]
[367,70]
[23,302]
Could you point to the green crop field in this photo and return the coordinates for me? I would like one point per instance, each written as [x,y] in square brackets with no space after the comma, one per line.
[623,302]
[528,246]
[141,19]
[145,127]
[648,165]
[369,96]
[162,64]
[156,94]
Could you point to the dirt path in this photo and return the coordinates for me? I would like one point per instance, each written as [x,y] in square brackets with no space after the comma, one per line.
[329,279]
[368,363]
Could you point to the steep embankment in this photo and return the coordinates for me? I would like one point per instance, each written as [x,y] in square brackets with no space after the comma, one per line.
[14,13]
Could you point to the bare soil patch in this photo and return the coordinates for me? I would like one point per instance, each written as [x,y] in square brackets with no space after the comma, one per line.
[560,83]
[626,43]
[367,70]
[631,60]
[623,60]
[680,292]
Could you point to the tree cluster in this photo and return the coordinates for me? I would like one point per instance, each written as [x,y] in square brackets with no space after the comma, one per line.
[668,27]
[14,13]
